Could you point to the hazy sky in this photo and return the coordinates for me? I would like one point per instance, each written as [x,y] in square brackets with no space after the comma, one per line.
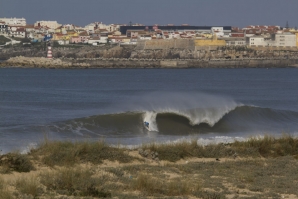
[194,12]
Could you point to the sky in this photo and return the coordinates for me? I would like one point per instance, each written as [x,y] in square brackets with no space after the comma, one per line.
[193,12]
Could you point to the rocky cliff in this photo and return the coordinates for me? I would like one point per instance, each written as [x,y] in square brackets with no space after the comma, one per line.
[183,49]
[149,54]
[40,62]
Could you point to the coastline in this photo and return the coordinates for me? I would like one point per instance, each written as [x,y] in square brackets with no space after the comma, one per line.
[84,63]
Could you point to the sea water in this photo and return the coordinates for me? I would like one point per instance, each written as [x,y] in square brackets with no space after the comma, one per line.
[113,104]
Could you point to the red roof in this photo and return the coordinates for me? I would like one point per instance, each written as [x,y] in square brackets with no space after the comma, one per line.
[237,35]
[84,34]
[21,30]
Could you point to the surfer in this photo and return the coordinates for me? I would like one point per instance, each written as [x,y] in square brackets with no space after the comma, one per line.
[146,124]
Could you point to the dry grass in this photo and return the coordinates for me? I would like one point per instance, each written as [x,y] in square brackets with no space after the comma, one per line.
[68,153]
[28,186]
[262,168]
[73,181]
[4,193]
[147,184]
[177,151]
[269,146]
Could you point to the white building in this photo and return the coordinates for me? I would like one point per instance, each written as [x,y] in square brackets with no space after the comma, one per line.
[236,43]
[112,27]
[17,31]
[96,25]
[90,27]
[69,27]
[63,42]
[3,28]
[96,40]
[14,21]
[219,31]
[51,24]
[103,39]
[145,37]
[99,25]
[285,39]
[278,40]
[257,41]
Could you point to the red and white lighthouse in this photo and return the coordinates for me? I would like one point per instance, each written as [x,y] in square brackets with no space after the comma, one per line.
[49,55]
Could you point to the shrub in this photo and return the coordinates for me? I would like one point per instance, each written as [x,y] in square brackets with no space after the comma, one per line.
[15,162]
[69,153]
[178,187]
[174,151]
[149,185]
[73,181]
[269,146]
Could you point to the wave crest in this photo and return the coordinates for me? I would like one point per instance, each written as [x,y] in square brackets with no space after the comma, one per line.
[196,116]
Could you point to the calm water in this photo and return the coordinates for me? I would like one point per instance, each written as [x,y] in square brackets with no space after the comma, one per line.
[112,104]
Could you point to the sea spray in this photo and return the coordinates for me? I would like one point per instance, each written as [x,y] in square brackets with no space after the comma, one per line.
[150,117]
[196,107]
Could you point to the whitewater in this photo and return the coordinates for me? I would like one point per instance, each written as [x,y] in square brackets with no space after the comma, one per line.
[219,105]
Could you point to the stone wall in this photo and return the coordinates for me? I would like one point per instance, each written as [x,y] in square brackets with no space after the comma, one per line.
[161,44]
[38,62]
[210,42]
[173,64]
[174,49]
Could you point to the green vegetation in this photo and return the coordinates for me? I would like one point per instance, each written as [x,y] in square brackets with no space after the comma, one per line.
[68,153]
[253,147]
[73,181]
[257,168]
[269,146]
[15,162]
[3,40]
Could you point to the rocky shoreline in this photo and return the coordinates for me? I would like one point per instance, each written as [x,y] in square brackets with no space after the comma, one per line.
[150,54]
[82,63]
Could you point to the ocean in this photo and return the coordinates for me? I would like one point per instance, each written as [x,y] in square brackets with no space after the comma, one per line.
[210,105]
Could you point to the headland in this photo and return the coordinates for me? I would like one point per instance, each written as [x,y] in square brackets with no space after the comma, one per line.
[151,55]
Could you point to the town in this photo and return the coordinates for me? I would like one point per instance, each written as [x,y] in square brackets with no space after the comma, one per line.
[98,45]
[15,30]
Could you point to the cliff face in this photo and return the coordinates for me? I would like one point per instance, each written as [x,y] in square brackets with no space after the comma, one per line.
[69,52]
[41,62]
[7,53]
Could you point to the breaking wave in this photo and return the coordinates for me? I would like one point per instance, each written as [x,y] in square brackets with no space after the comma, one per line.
[182,122]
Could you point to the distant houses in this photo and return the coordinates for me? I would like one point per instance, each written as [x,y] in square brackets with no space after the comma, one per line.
[100,33]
